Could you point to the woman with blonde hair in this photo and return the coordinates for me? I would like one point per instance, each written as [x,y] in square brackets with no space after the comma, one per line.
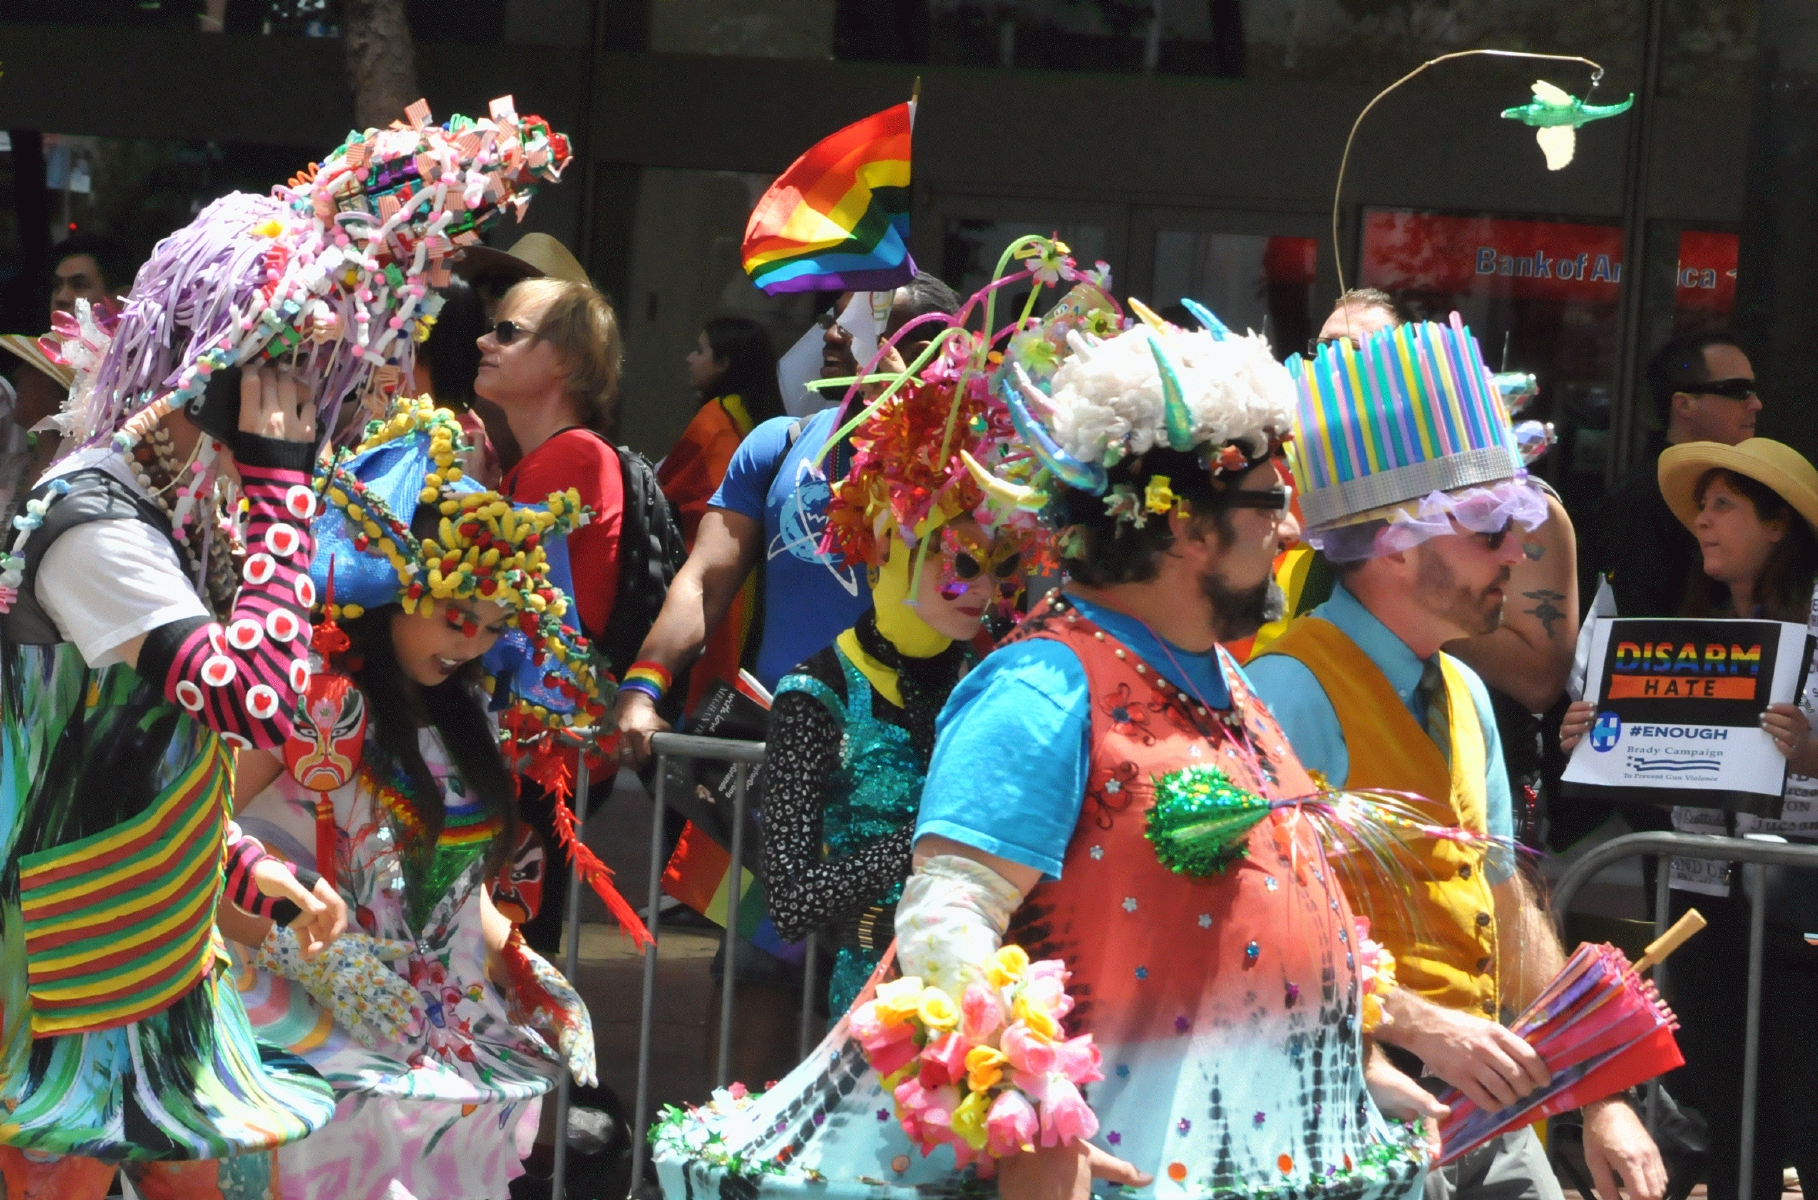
[551,362]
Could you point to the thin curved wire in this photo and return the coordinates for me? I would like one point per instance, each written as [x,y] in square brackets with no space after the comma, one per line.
[1338,189]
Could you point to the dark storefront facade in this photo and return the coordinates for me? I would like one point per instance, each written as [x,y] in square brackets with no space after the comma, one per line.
[1192,172]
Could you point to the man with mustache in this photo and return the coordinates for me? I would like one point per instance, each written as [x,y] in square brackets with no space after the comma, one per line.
[1217,1008]
[1422,533]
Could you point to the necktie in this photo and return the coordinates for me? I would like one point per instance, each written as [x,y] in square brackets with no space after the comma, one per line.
[1432,693]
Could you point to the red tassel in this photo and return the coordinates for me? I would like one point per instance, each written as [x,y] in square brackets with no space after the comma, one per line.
[548,768]
[599,877]
[325,838]
[328,639]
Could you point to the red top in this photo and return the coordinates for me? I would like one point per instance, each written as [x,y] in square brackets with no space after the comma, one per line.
[579,459]
[1128,975]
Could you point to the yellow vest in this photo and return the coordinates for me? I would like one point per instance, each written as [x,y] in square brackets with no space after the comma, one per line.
[1437,917]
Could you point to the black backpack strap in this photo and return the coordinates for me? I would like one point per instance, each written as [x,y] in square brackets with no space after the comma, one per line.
[93,495]
[651,550]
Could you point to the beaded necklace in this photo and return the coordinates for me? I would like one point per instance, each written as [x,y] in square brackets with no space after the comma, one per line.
[1199,710]
[153,462]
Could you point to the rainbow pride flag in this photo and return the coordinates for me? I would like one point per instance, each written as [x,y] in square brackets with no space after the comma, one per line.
[838,219]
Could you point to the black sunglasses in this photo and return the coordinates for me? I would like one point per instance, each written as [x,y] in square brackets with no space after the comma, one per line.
[1314,344]
[1280,499]
[1733,389]
[1494,541]
[966,568]
[507,332]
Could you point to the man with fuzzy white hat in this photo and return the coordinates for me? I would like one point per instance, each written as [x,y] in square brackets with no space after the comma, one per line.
[1214,992]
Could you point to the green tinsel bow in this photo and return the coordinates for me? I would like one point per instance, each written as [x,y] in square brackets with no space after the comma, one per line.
[1201,820]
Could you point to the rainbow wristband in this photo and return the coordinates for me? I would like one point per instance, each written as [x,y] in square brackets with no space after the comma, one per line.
[641,685]
[654,675]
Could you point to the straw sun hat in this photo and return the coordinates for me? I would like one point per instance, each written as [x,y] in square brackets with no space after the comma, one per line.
[1774,464]
[535,254]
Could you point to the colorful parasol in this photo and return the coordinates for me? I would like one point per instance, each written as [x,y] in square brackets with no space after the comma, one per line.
[1600,1027]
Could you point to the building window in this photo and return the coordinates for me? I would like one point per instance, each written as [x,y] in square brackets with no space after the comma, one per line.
[1540,296]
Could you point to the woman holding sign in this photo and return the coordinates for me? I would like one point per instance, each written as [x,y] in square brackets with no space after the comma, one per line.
[1753,508]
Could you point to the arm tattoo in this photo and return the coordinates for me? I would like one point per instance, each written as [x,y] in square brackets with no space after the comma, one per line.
[1544,610]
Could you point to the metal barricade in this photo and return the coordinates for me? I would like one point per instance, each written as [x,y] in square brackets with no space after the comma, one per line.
[666,747]
[1755,853]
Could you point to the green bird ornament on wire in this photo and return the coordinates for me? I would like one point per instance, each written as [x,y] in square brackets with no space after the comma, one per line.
[1556,115]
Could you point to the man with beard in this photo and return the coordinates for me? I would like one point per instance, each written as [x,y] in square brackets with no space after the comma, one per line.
[1216,1007]
[1524,661]
[1422,531]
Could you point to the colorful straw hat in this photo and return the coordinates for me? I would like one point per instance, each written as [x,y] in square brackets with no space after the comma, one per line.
[1773,464]
[1407,427]
[1411,411]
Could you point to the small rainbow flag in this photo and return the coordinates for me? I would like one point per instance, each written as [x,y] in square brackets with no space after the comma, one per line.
[838,219]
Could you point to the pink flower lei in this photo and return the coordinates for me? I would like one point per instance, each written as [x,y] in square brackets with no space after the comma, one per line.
[991,1074]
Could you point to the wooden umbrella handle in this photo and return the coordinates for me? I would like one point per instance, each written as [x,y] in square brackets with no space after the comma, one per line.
[1671,940]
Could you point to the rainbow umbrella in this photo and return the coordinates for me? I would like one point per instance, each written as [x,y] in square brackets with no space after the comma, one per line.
[1601,1029]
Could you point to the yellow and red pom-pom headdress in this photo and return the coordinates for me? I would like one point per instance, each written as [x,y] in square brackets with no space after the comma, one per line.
[484,548]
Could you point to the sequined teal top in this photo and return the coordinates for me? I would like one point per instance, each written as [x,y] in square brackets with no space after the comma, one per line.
[843,783]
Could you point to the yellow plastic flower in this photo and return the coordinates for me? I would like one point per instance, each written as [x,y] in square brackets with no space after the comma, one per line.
[969,1120]
[984,1068]
[1039,1020]
[1158,497]
[937,1009]
[899,999]
[1008,966]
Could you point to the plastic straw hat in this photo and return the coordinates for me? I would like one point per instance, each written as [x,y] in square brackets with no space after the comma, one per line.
[1410,412]
[1770,463]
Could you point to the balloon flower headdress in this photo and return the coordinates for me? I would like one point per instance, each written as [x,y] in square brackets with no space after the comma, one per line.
[332,271]
[911,474]
[1086,392]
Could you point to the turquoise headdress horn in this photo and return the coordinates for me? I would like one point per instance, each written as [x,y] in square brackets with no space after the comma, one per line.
[1177,418]
[1217,328]
[1087,477]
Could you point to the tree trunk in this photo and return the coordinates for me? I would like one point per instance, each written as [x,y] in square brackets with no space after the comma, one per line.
[381,60]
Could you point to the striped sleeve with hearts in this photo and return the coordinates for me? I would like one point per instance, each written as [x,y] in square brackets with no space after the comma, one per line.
[239,887]
[242,679]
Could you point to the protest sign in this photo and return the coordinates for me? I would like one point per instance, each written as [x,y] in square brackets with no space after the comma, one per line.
[1678,710]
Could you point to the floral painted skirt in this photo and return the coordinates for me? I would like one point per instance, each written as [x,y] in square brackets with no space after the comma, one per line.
[828,1130]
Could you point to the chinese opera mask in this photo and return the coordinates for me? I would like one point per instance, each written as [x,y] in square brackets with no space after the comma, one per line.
[324,749]
[518,891]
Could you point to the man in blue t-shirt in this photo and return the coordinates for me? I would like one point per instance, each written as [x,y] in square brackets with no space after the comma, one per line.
[771,509]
